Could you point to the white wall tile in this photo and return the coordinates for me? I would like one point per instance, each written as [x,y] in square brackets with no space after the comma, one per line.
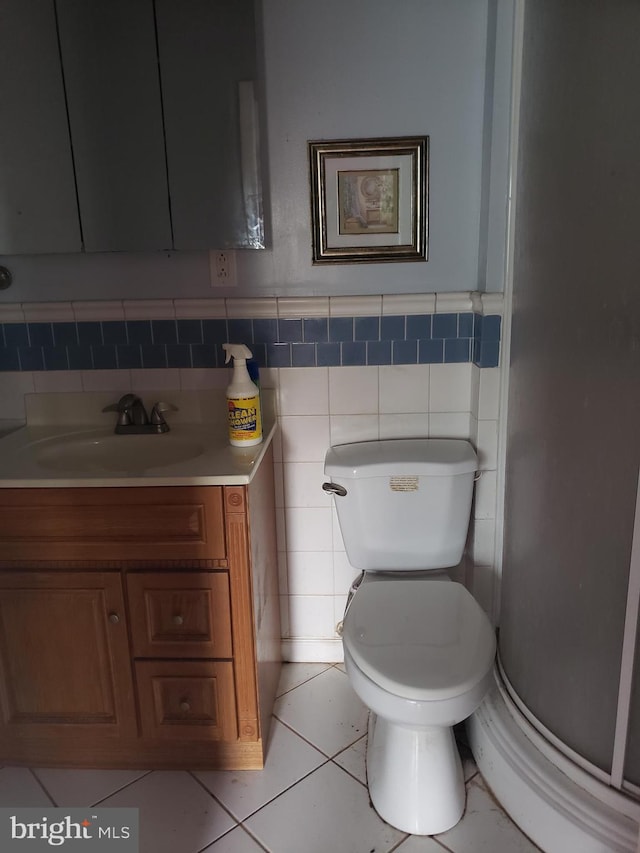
[303,306]
[353,390]
[483,548]
[202,378]
[454,303]
[13,387]
[305,438]
[200,309]
[256,307]
[486,489]
[278,482]
[404,426]
[488,444]
[308,529]
[484,580]
[349,428]
[404,388]
[283,573]
[285,628]
[48,312]
[118,381]
[160,379]
[310,572]
[475,389]
[12,312]
[355,306]
[343,573]
[57,381]
[304,391]
[311,616]
[149,309]
[339,604]
[303,484]
[408,303]
[489,396]
[450,388]
[450,425]
[103,310]
[336,533]
[281,529]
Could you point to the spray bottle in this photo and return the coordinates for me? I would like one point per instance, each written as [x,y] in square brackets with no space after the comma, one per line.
[243,400]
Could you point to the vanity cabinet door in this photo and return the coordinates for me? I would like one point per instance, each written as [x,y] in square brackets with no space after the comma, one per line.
[38,208]
[112,83]
[64,657]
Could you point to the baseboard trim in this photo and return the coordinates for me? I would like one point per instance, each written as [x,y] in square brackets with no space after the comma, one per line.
[312,651]
[551,808]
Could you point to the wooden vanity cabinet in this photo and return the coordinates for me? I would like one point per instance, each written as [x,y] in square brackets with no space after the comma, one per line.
[139,627]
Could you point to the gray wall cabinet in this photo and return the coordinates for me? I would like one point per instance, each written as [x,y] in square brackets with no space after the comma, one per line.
[122,125]
[38,207]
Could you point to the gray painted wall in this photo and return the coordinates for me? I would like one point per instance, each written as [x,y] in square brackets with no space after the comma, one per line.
[347,70]
[574,410]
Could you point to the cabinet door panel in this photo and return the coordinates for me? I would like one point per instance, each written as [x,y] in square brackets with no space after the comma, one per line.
[206,47]
[64,654]
[111,75]
[38,208]
[180,614]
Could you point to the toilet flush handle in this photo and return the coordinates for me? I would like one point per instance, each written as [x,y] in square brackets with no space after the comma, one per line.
[334,489]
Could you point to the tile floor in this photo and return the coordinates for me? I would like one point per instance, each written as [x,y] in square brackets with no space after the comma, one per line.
[310,798]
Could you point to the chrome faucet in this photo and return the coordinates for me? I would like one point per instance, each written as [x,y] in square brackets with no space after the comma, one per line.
[133,418]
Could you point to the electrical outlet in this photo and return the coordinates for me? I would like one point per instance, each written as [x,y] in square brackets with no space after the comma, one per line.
[223,268]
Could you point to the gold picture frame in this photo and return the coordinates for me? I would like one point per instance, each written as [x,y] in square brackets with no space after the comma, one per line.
[369,200]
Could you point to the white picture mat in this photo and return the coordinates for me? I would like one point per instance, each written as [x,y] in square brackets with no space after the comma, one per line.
[406,213]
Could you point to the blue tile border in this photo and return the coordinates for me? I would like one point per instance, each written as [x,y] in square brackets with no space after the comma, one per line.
[296,342]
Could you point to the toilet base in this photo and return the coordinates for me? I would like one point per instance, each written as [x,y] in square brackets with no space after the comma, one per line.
[415,776]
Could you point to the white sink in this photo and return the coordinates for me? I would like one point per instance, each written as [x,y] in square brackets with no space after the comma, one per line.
[98,453]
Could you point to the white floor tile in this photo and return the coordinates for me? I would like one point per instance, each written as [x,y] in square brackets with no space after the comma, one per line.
[420,844]
[354,761]
[237,841]
[327,811]
[19,787]
[294,674]
[484,827]
[84,787]
[176,814]
[325,711]
[289,759]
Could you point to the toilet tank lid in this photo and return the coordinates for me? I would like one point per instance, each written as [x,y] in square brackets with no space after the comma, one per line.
[435,457]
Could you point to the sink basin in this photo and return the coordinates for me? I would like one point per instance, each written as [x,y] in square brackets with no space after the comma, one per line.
[100,453]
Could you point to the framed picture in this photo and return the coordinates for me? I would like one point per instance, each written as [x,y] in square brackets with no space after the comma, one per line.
[369,200]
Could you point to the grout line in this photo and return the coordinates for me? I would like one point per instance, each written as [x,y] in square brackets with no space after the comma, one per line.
[41,784]
[117,791]
[306,681]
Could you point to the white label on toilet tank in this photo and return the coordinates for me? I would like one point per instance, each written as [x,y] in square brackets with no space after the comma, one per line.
[403,484]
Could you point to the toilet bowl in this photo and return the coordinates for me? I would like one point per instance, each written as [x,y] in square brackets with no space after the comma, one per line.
[419,675]
[418,648]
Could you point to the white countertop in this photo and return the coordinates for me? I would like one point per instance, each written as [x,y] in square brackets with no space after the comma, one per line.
[34,455]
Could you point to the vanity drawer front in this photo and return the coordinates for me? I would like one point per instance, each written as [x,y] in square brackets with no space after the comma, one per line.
[180,614]
[191,700]
[178,523]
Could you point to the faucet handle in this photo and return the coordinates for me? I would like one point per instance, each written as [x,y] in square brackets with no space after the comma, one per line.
[123,412]
[157,413]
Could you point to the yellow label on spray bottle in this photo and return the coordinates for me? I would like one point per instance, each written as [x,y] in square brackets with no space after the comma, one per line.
[245,423]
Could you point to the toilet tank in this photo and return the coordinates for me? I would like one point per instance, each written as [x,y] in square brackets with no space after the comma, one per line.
[407,502]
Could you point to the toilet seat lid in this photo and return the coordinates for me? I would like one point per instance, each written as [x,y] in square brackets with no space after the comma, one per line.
[419,638]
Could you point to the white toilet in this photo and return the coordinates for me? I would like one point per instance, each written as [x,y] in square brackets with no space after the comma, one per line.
[418,648]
